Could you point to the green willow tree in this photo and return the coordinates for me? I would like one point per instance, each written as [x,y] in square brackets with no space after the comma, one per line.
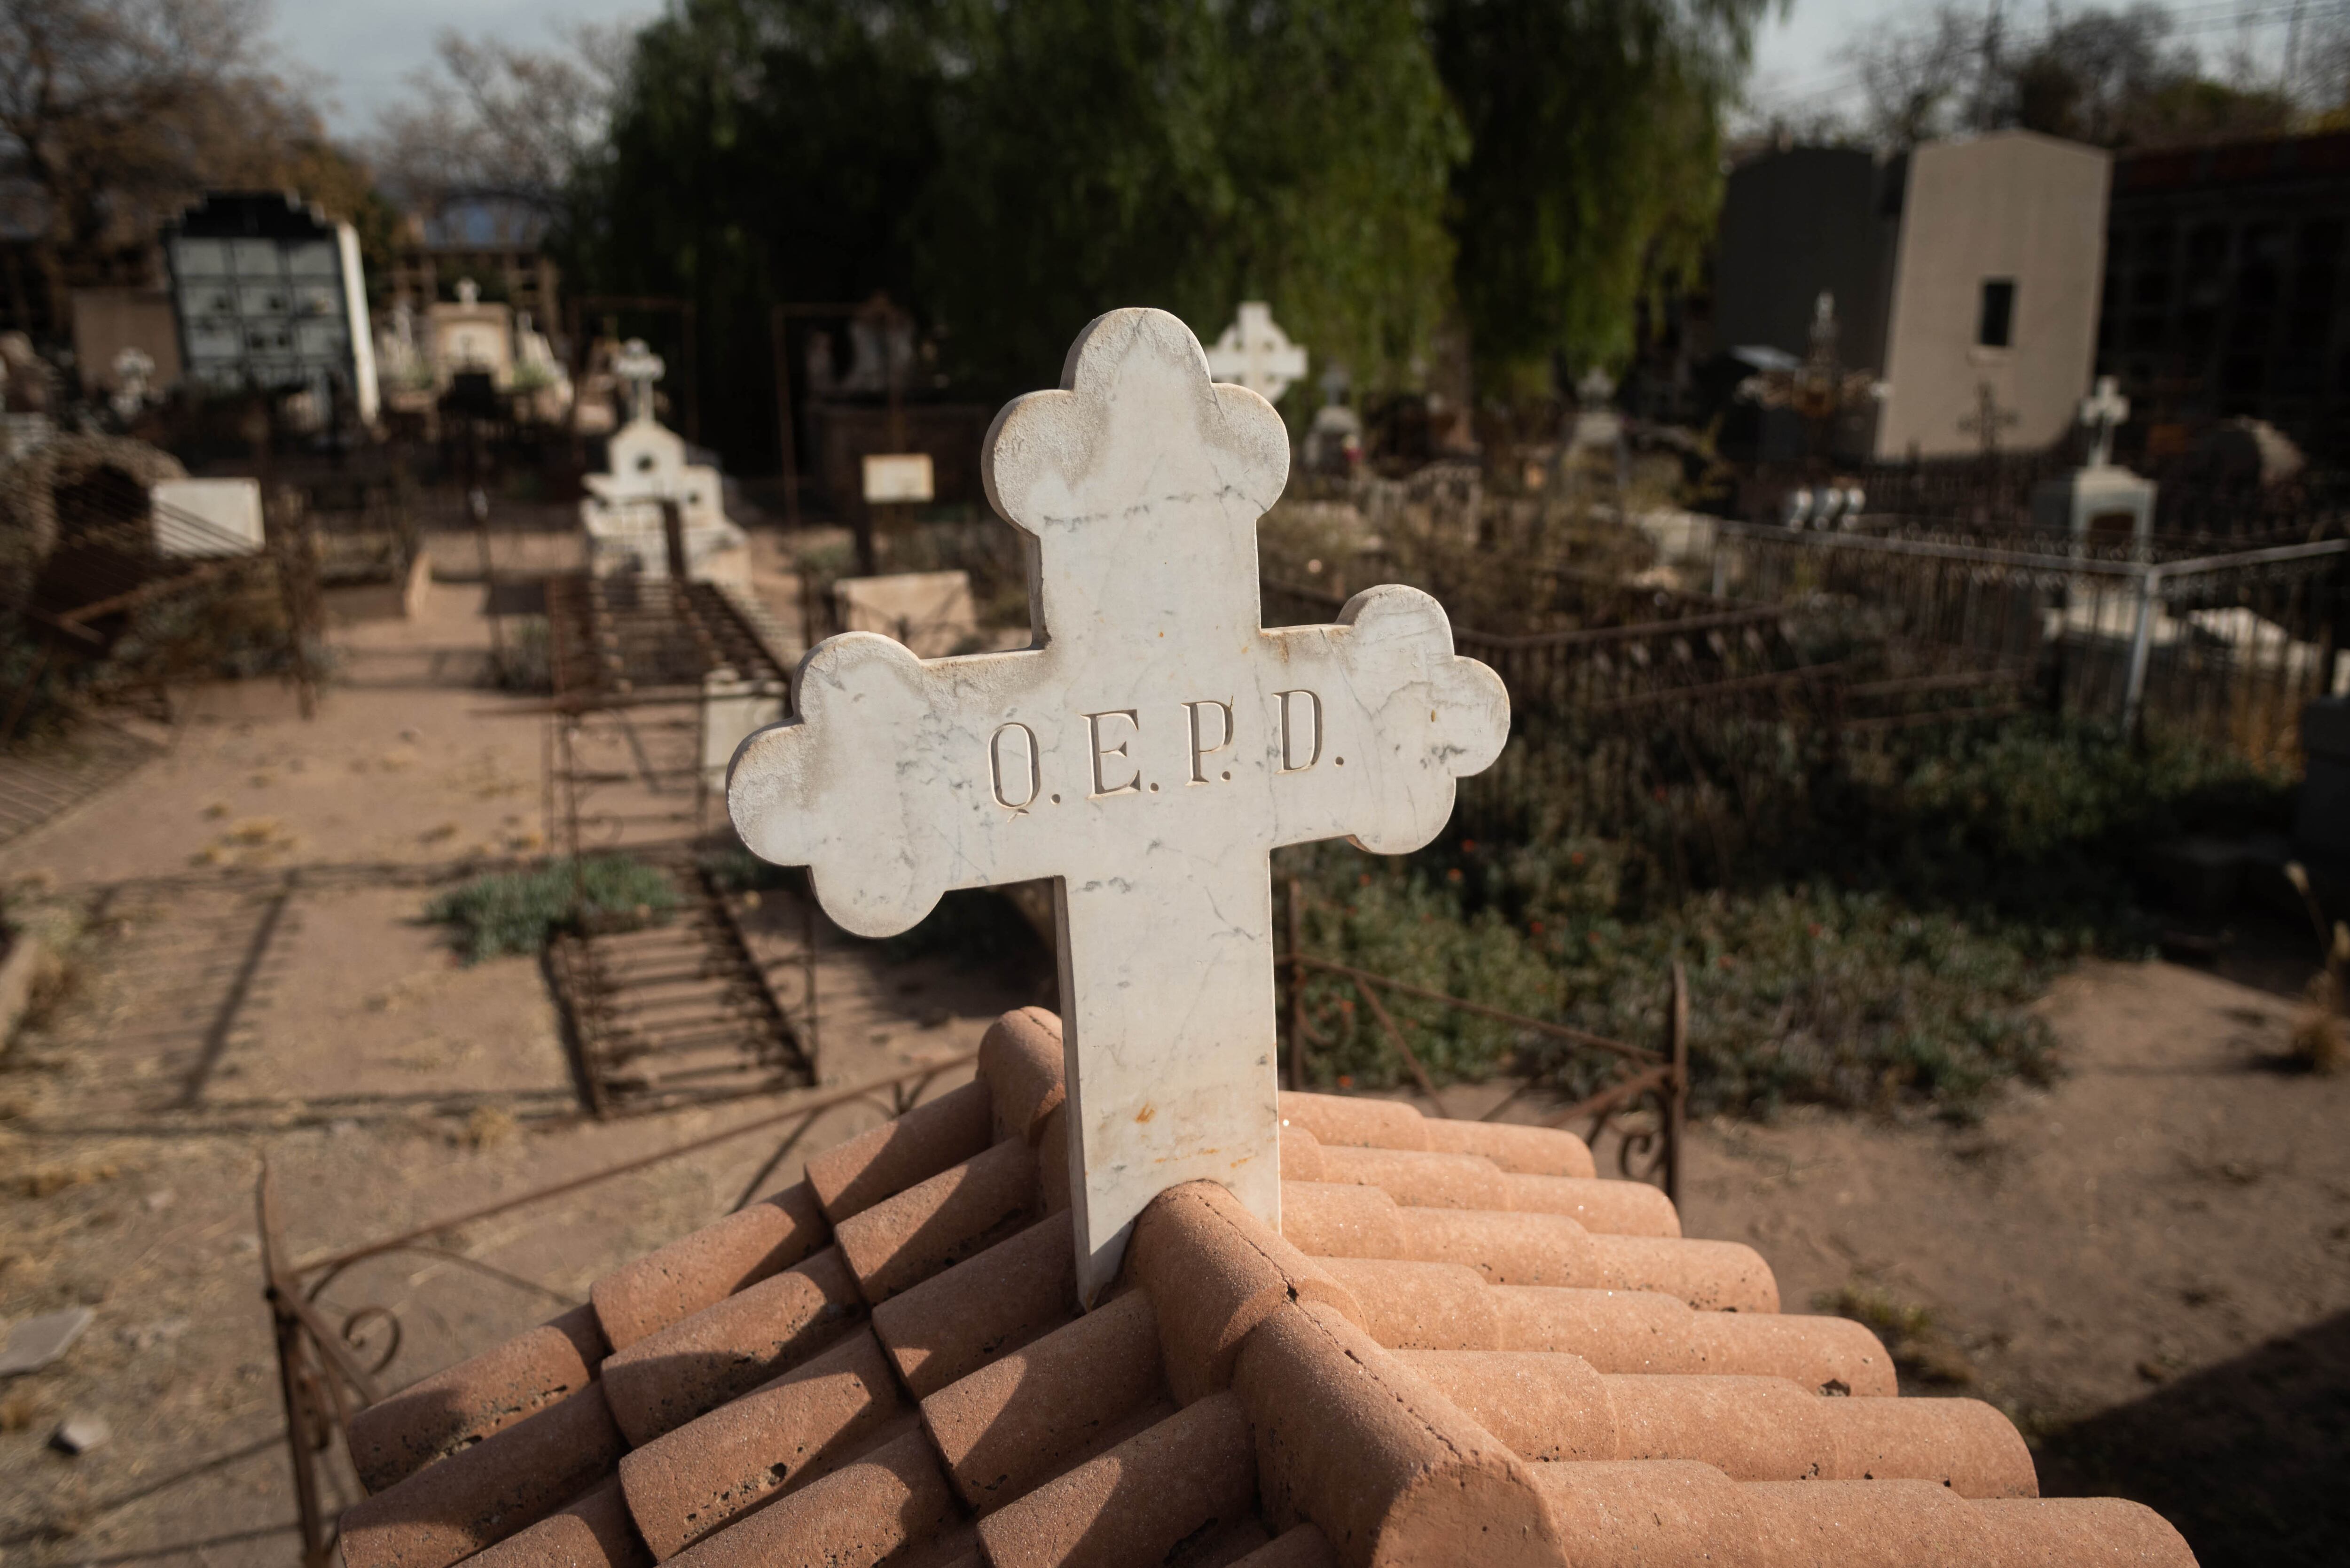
[1191,154]
[1012,168]
[1594,168]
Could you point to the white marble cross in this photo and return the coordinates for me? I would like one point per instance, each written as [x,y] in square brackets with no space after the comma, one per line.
[2104,411]
[1147,751]
[1255,353]
[639,367]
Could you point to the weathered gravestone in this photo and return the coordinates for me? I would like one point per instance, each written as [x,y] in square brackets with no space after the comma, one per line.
[1147,751]
[1255,353]
[2098,500]
[623,511]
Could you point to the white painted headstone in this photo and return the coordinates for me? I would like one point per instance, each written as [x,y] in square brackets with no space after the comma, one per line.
[2104,411]
[1147,751]
[638,368]
[1255,353]
[647,466]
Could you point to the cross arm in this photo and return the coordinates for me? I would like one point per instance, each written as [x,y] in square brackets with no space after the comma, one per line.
[1402,717]
[862,788]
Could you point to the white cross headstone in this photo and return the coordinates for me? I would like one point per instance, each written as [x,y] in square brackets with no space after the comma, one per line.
[1255,353]
[1147,751]
[638,368]
[132,368]
[2104,411]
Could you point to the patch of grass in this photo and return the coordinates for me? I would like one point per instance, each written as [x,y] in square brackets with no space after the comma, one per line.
[1395,927]
[521,912]
[1807,993]
[1921,1352]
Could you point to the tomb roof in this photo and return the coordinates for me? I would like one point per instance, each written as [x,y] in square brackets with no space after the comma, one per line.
[1461,1346]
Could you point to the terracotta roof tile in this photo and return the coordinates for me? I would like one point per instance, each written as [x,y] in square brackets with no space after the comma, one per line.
[890,1499]
[1188,1479]
[456,1408]
[883,1162]
[949,1326]
[1515,1356]
[904,1240]
[1219,1274]
[668,1378]
[705,1266]
[1015,1422]
[1020,1060]
[1304,1547]
[507,1482]
[1526,1151]
[595,1532]
[1388,1467]
[744,1454]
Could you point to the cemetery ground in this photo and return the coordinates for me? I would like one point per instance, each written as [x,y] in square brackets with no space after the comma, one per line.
[2145,1258]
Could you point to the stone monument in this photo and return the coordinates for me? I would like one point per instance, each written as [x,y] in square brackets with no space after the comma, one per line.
[1334,442]
[469,337]
[1255,353]
[1147,751]
[624,509]
[2099,500]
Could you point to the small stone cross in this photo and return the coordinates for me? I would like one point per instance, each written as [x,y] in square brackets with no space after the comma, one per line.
[1989,419]
[639,366]
[1255,353]
[1147,751]
[2104,411]
[132,368]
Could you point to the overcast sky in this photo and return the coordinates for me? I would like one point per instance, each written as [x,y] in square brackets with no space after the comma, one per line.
[362,51]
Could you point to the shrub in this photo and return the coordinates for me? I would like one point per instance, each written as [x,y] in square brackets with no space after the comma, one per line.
[521,912]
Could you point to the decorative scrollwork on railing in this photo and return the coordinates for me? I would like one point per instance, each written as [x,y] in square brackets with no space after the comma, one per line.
[1642,1151]
[354,1330]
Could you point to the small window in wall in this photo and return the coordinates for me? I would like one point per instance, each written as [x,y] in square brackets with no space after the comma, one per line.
[1995,326]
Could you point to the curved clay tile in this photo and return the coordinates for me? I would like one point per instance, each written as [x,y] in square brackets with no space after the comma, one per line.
[1510,1363]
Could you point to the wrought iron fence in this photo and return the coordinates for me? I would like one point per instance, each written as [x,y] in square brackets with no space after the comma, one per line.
[2226,646]
[1639,1092]
[330,1357]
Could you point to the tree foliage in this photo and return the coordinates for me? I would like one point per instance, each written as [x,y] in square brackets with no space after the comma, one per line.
[119,112]
[497,119]
[2112,78]
[1594,171]
[1012,169]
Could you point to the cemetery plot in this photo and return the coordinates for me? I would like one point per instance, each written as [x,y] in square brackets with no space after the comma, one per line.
[685,1009]
[38,782]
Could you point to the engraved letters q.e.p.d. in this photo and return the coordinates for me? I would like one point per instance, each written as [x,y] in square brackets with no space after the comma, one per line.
[1015,767]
